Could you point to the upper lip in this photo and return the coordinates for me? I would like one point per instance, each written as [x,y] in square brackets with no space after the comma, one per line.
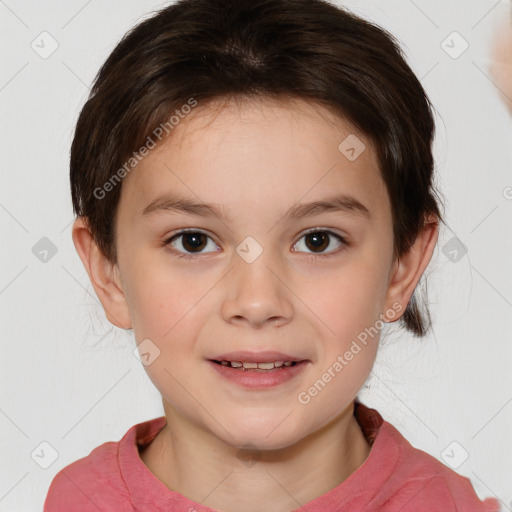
[268,356]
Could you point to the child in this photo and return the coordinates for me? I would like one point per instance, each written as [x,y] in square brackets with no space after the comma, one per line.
[291,138]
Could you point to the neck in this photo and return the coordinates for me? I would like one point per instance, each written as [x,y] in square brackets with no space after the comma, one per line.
[203,468]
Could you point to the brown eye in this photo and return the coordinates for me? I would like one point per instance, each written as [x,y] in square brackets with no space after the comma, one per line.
[318,241]
[192,242]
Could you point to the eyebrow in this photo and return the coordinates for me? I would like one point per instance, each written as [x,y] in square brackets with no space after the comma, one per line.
[181,204]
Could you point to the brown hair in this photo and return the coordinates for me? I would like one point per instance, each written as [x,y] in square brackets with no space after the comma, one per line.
[208,50]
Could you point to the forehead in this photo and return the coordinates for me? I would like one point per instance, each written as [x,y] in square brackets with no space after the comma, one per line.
[258,153]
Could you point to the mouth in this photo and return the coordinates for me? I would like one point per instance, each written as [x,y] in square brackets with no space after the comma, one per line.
[256,366]
[258,375]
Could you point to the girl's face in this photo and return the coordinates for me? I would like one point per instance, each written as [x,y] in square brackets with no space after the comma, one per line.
[253,276]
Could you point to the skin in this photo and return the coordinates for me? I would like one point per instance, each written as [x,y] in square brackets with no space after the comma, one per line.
[501,61]
[257,159]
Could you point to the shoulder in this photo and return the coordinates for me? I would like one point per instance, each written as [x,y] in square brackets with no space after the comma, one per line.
[91,483]
[421,483]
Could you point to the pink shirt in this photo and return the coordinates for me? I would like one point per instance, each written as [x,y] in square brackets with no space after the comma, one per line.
[395,477]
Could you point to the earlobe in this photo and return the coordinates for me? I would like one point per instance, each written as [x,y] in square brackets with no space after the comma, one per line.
[409,268]
[102,275]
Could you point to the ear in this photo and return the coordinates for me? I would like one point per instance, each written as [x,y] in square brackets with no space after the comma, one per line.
[407,270]
[103,276]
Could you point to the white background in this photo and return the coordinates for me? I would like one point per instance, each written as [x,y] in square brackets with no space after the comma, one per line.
[70,378]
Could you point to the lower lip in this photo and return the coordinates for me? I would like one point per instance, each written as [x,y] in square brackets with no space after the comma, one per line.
[259,380]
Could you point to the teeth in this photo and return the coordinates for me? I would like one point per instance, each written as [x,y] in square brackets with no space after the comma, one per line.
[260,366]
[265,366]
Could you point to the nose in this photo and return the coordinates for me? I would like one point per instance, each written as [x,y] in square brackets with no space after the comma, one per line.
[257,292]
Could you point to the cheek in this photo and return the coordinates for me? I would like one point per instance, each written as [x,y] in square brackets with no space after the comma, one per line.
[163,296]
[350,298]
[169,312]
[347,304]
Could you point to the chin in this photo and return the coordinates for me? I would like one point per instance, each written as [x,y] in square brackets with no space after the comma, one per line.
[264,432]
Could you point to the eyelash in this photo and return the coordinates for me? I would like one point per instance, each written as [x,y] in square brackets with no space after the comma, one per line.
[312,256]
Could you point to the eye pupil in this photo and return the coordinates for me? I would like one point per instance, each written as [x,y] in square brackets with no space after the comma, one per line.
[318,238]
[193,241]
